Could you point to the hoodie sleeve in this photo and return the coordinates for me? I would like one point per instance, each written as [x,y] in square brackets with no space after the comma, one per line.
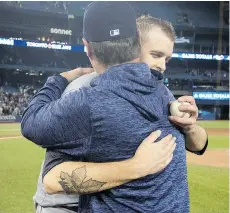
[52,121]
[171,96]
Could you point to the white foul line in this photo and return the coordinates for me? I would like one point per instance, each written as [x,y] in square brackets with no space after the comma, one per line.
[16,137]
[8,130]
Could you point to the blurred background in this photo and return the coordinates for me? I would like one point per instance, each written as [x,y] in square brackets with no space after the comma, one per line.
[39,39]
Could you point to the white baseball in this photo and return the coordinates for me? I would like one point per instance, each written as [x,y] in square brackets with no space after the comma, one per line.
[174,109]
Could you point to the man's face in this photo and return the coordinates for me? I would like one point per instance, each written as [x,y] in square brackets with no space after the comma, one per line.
[156,50]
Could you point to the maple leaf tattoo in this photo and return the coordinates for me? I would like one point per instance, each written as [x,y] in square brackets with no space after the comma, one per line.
[76,182]
[91,186]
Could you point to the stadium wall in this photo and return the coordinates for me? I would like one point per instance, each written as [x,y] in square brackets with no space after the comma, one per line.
[10,118]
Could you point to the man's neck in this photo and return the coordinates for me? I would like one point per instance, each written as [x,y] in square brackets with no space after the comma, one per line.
[99,68]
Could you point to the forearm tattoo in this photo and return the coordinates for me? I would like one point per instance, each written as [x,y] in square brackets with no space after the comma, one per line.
[76,182]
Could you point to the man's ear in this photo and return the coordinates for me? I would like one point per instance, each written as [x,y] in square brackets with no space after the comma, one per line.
[87,48]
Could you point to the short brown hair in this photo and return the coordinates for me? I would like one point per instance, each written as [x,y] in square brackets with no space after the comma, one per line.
[146,22]
[114,52]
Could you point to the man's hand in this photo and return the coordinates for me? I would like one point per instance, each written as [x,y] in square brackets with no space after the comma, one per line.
[196,139]
[151,157]
[186,123]
[76,73]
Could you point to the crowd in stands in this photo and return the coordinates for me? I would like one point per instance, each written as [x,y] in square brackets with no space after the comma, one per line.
[200,72]
[41,57]
[67,60]
[14,101]
[207,73]
[46,6]
[180,13]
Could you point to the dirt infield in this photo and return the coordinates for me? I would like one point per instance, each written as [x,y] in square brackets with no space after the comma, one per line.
[216,131]
[217,158]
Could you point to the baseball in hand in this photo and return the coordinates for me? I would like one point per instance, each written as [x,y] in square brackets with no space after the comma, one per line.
[174,109]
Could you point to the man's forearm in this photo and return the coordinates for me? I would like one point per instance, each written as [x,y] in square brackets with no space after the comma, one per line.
[86,178]
[196,138]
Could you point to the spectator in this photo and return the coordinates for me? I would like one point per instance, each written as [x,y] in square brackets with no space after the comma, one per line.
[15,103]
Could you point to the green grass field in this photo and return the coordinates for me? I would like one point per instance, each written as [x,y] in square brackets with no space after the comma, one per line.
[214,124]
[20,164]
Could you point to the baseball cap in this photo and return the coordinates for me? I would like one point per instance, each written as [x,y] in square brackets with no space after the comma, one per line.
[107,21]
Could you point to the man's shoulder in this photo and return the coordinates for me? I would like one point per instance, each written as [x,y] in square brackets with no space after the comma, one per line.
[83,81]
